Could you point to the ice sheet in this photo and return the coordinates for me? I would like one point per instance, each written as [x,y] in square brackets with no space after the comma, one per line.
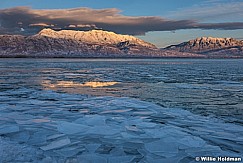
[112,129]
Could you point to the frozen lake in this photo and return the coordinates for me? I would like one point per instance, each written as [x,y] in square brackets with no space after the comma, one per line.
[120,110]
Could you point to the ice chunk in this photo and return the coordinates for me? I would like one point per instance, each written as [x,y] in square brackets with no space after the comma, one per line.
[47,160]
[88,158]
[105,149]
[156,133]
[6,129]
[162,146]
[70,151]
[121,159]
[55,136]
[134,129]
[71,128]
[192,141]
[173,159]
[131,150]
[21,137]
[84,111]
[95,120]
[11,151]
[143,113]
[118,151]
[92,147]
[226,144]
[153,160]
[127,135]
[23,122]
[116,111]
[38,138]
[147,125]
[56,144]
[138,144]
[104,130]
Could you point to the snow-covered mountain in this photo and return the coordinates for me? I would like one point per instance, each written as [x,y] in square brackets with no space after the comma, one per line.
[211,47]
[68,43]
[94,37]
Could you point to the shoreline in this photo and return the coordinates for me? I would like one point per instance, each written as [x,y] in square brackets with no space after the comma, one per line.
[122,57]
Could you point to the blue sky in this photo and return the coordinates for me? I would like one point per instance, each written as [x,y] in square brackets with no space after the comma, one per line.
[160,22]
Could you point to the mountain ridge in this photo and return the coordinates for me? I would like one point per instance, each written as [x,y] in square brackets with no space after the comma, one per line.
[68,43]
[211,47]
[99,43]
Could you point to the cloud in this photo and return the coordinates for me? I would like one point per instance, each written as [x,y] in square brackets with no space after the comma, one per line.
[211,10]
[80,18]
[14,20]
[222,26]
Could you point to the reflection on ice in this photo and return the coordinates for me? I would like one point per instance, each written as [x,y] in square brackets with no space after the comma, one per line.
[99,84]
[76,128]
[71,84]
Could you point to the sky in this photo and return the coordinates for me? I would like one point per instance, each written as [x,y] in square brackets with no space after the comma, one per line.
[161,22]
